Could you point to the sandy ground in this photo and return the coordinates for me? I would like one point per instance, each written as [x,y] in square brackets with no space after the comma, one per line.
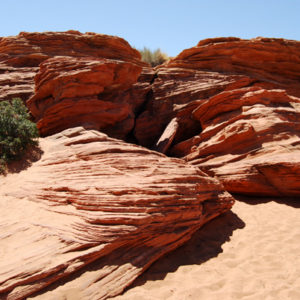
[252,253]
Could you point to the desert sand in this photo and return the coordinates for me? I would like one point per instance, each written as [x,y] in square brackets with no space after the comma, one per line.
[252,252]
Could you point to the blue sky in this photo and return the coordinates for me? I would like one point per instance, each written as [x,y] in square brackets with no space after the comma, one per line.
[169,25]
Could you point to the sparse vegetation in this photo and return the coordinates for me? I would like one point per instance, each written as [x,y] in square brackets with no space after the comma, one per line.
[17,132]
[154,58]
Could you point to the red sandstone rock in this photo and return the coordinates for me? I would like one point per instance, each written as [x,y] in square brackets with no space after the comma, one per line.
[21,55]
[84,79]
[236,103]
[250,141]
[84,91]
[16,82]
[30,49]
[275,60]
[94,213]
[178,92]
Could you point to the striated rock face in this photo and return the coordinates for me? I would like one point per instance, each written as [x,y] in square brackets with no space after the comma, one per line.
[16,82]
[175,94]
[231,107]
[30,49]
[273,60]
[250,141]
[93,213]
[74,79]
[85,220]
[85,91]
[20,57]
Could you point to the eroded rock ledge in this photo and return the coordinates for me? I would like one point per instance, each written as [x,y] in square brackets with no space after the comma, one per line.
[98,208]
[231,107]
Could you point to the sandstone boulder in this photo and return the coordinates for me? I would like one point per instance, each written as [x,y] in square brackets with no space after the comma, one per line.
[30,49]
[176,92]
[16,82]
[21,55]
[85,91]
[273,60]
[236,106]
[250,141]
[93,213]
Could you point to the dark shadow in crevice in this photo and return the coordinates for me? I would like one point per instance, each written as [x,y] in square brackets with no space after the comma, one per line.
[131,138]
[255,200]
[31,155]
[205,244]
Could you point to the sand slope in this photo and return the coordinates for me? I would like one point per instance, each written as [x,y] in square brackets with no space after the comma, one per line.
[252,253]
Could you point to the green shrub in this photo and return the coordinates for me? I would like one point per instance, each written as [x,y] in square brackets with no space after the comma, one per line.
[17,132]
[154,58]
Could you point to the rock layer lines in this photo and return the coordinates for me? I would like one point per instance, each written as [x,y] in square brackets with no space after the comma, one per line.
[236,106]
[98,208]
[94,212]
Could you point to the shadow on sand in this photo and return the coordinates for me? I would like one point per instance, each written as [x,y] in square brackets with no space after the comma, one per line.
[254,200]
[205,244]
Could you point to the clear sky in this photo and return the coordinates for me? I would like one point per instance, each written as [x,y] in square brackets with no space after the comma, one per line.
[171,25]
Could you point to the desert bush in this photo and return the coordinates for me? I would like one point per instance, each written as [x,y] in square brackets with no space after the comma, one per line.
[17,132]
[154,58]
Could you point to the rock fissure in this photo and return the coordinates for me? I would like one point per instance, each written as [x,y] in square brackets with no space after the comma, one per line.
[148,97]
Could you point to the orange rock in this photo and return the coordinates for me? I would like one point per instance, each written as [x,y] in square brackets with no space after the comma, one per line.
[250,141]
[178,92]
[236,103]
[30,49]
[84,91]
[262,58]
[21,55]
[16,82]
[94,213]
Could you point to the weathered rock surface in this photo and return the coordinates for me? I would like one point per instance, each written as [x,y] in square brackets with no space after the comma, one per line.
[85,91]
[231,107]
[176,93]
[21,55]
[93,213]
[273,60]
[75,79]
[30,49]
[250,141]
[16,82]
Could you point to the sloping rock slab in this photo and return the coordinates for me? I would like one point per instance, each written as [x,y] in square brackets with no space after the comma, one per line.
[93,213]
[250,141]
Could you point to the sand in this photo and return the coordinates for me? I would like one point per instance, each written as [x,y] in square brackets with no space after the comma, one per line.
[252,253]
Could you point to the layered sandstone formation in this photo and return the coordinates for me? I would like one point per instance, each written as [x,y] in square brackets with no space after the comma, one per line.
[97,211]
[93,213]
[80,79]
[30,49]
[231,107]
[85,91]
[250,141]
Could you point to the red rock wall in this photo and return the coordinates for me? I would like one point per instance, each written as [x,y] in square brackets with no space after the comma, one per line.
[94,213]
[74,79]
[235,104]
